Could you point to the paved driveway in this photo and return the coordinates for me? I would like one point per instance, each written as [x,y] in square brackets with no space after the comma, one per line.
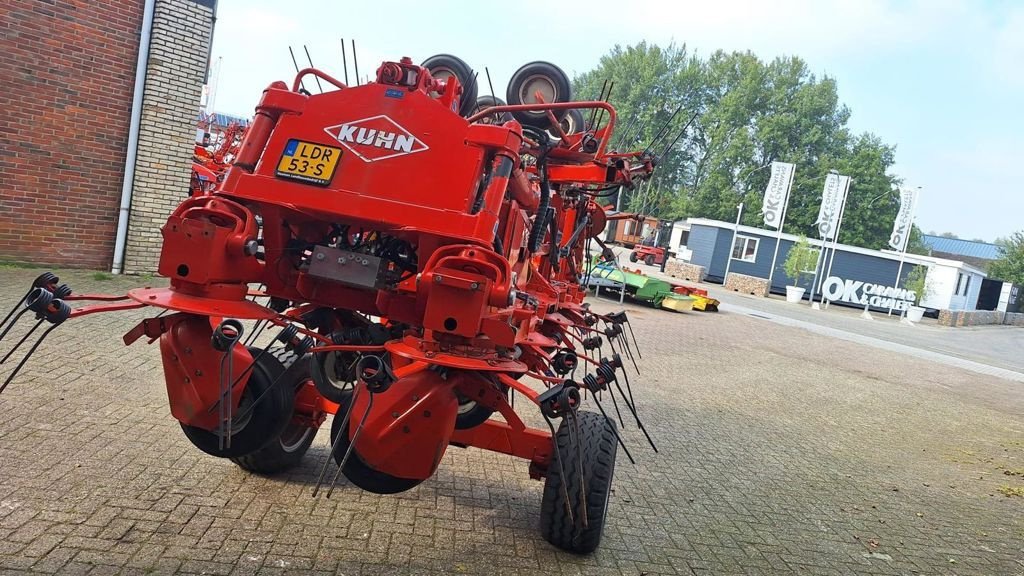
[781,451]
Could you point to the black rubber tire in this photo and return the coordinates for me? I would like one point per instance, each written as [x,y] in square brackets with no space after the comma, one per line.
[264,424]
[330,384]
[633,257]
[357,471]
[518,86]
[471,414]
[487,101]
[572,123]
[287,450]
[443,65]
[649,260]
[598,447]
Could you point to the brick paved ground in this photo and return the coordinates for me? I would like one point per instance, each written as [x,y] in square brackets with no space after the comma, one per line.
[781,451]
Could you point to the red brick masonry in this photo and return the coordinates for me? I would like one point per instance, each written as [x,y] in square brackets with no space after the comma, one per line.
[67,69]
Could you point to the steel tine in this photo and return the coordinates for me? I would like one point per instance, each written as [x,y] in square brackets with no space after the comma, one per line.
[561,468]
[633,336]
[638,422]
[15,307]
[579,466]
[351,445]
[629,389]
[614,429]
[334,442]
[29,354]
[22,341]
[13,322]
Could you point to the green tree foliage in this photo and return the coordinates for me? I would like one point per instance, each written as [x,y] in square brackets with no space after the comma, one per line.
[1011,266]
[802,258]
[749,113]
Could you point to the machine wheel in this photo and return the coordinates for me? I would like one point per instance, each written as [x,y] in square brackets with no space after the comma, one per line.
[545,77]
[357,471]
[572,123]
[649,259]
[487,101]
[633,257]
[291,445]
[471,414]
[265,423]
[443,66]
[333,374]
[598,448]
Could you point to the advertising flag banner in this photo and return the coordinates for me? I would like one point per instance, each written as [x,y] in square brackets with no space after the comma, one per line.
[904,220]
[832,199]
[777,193]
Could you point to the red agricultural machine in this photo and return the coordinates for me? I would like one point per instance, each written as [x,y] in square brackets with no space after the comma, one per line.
[423,260]
[211,160]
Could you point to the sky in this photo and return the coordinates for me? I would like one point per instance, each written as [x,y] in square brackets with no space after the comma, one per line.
[942,80]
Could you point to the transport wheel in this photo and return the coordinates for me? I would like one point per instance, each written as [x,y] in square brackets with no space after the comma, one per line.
[633,257]
[487,101]
[649,260]
[252,430]
[471,414]
[572,123]
[546,78]
[357,471]
[597,448]
[444,66]
[333,374]
[291,445]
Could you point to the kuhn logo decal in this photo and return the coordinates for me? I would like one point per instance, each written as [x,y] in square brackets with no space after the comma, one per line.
[376,138]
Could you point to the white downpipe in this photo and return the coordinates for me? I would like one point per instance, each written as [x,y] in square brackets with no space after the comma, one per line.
[127,187]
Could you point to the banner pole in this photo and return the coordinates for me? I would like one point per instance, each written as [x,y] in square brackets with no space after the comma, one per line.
[839,226]
[782,222]
[817,265]
[903,253]
[732,243]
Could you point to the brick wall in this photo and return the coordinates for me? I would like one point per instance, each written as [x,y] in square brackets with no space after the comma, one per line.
[182,31]
[67,69]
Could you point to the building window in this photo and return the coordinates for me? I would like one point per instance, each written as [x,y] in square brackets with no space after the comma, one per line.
[744,248]
[963,284]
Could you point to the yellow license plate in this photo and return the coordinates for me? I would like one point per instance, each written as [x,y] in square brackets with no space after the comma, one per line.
[308,162]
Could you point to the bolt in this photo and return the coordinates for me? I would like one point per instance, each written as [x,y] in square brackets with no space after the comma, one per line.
[188,380]
[437,279]
[474,286]
[341,261]
[199,373]
[319,255]
[415,398]
[365,261]
[406,429]
[188,350]
[426,413]
[394,414]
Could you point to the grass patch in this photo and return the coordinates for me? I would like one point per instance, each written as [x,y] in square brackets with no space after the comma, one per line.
[102,276]
[11,265]
[1011,491]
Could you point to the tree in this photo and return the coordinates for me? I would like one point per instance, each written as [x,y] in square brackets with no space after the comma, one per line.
[801,260]
[1010,267]
[748,113]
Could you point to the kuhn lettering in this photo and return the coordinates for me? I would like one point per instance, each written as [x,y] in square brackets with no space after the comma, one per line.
[377,138]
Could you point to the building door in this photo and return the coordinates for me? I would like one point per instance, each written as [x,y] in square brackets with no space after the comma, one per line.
[988,297]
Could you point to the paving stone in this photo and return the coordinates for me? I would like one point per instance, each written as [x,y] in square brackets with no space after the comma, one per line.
[780,450]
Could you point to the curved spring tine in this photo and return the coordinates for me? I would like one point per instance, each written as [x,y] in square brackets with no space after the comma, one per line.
[27,356]
[334,443]
[22,341]
[561,468]
[351,445]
